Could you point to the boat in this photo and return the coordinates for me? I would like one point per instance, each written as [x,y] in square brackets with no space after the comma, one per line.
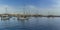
[5,17]
[23,18]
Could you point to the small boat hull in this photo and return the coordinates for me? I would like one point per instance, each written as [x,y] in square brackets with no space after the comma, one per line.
[21,18]
[5,17]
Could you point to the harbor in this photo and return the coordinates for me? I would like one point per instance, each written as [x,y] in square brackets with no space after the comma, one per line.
[29,14]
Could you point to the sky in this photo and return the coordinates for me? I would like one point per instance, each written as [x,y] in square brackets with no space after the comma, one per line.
[46,7]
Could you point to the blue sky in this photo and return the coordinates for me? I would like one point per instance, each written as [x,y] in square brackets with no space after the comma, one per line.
[31,6]
[39,3]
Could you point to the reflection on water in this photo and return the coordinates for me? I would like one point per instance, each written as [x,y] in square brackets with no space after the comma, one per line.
[31,24]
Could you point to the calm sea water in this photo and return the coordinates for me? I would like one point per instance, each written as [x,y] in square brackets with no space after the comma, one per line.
[31,24]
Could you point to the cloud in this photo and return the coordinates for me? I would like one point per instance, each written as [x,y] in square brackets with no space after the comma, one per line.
[57,3]
[10,9]
[20,9]
[29,9]
[54,9]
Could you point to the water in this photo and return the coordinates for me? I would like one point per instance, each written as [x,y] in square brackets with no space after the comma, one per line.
[31,24]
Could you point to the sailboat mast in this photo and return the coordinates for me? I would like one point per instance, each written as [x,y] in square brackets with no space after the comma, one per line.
[23,8]
[6,10]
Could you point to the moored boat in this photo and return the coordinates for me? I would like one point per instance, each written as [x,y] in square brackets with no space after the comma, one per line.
[23,18]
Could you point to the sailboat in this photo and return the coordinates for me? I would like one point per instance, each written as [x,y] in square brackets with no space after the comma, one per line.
[5,16]
[24,17]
